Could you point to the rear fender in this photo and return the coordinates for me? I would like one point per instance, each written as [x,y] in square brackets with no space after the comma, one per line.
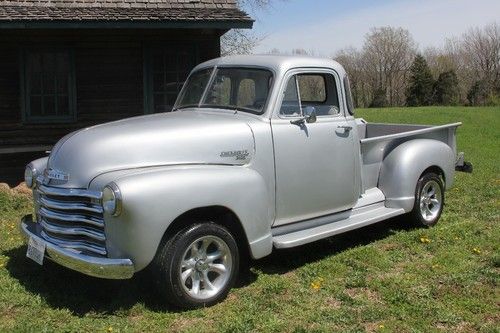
[404,165]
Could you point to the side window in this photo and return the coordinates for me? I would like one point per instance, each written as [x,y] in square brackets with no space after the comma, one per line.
[311,92]
[348,95]
[312,88]
[318,93]
[291,105]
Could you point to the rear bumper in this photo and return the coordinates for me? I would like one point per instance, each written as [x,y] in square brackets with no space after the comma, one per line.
[105,268]
[463,166]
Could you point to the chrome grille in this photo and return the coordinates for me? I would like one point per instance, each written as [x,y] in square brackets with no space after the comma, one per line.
[71,218]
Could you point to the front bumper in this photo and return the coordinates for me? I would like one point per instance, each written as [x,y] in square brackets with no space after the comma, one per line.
[105,268]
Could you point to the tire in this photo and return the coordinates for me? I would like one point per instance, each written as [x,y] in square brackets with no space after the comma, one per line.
[197,266]
[429,200]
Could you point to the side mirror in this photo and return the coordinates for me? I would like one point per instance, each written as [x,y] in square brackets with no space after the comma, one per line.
[310,114]
[311,118]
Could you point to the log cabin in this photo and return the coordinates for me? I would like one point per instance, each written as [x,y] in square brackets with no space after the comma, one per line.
[70,64]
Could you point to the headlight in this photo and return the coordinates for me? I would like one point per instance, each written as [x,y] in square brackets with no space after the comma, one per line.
[112,199]
[30,175]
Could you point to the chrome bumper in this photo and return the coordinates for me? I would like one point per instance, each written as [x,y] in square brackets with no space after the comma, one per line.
[94,266]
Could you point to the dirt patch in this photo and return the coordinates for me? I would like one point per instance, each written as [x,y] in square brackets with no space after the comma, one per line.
[388,246]
[182,324]
[333,303]
[8,317]
[374,327]
[464,327]
[364,293]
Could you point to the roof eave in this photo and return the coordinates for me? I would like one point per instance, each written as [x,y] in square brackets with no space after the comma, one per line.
[128,24]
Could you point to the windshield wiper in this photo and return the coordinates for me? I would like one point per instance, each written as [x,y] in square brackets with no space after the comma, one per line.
[185,107]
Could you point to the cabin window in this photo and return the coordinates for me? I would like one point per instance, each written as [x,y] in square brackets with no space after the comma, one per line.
[310,92]
[166,69]
[48,86]
[290,107]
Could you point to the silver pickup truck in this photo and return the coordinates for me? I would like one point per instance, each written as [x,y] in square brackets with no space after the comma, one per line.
[259,153]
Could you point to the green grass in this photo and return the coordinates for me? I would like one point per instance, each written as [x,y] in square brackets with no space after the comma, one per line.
[382,278]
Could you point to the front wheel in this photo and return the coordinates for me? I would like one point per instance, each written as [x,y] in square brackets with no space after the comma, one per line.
[429,200]
[198,266]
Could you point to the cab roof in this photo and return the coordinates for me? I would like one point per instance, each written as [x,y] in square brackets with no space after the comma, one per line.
[277,63]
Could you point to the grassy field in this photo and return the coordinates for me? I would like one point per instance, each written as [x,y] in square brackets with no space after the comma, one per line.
[383,278]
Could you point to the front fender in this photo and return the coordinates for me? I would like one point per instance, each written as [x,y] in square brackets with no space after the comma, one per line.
[153,198]
[404,165]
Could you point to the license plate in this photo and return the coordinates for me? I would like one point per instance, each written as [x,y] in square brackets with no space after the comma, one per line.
[36,250]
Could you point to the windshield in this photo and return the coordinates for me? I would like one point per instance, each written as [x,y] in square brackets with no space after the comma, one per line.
[243,89]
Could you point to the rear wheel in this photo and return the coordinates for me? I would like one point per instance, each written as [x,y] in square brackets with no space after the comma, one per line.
[429,200]
[198,266]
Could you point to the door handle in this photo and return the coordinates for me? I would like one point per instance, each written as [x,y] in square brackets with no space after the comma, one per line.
[346,128]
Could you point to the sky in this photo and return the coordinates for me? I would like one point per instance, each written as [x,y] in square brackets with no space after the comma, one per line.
[326,26]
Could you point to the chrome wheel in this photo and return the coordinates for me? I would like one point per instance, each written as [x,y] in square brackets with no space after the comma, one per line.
[206,267]
[431,200]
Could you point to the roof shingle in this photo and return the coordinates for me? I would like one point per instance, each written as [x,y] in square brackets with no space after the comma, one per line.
[122,10]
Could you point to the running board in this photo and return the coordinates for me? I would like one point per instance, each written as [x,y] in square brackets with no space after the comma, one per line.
[357,219]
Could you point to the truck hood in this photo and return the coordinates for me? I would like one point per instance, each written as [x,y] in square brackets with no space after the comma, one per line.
[176,138]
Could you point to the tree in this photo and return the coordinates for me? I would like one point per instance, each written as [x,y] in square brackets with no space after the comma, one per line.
[478,93]
[446,91]
[387,56]
[379,71]
[379,99]
[439,61]
[352,60]
[242,41]
[481,49]
[238,41]
[421,83]
[476,57]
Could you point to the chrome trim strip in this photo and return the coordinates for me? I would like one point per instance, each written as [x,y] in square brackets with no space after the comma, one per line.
[74,244]
[70,192]
[62,205]
[71,217]
[99,267]
[409,133]
[72,231]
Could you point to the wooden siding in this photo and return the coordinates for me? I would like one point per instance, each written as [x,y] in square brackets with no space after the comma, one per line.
[109,75]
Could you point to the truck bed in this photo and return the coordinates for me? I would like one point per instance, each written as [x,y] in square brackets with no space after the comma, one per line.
[377,140]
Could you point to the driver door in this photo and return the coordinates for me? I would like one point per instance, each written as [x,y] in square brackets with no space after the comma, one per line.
[314,160]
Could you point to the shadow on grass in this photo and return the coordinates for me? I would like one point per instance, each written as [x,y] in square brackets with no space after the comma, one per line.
[81,294]
[285,260]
